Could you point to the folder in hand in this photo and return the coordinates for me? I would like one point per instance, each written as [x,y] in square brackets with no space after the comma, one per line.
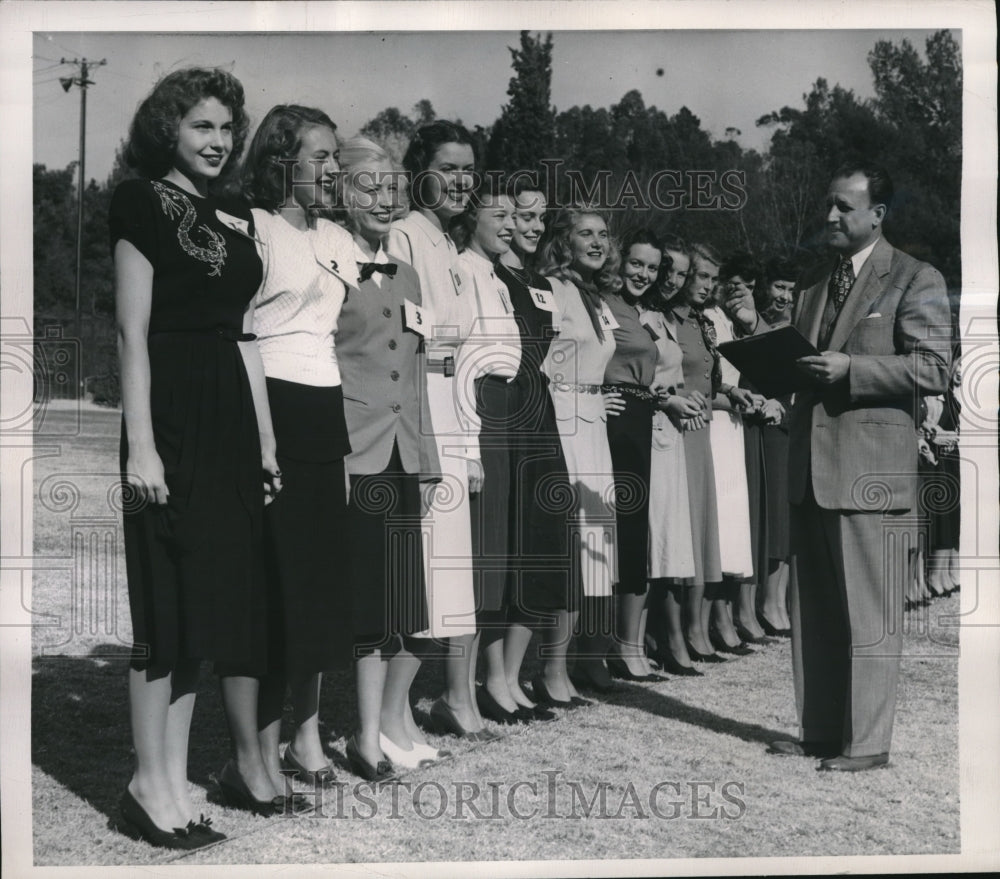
[767,360]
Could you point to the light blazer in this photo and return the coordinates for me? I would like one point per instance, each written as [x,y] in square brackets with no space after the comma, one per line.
[856,439]
[385,392]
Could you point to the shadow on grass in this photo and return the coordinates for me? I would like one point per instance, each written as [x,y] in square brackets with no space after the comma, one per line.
[81,736]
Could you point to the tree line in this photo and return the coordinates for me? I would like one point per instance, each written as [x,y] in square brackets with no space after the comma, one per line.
[912,125]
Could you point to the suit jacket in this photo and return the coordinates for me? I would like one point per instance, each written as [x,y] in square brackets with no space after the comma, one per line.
[856,439]
[385,393]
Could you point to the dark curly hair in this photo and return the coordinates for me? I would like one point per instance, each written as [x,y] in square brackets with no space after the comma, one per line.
[427,140]
[555,257]
[152,139]
[653,298]
[278,137]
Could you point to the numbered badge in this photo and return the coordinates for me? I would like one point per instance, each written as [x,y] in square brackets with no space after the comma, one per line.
[655,336]
[415,318]
[606,318]
[543,299]
[456,281]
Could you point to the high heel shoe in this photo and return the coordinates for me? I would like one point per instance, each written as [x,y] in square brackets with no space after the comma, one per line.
[536,712]
[136,824]
[204,828]
[719,643]
[698,656]
[237,795]
[489,707]
[416,757]
[773,631]
[745,635]
[670,664]
[619,669]
[446,722]
[323,777]
[382,771]
[543,697]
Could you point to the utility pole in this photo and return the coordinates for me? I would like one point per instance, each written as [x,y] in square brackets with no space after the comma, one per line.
[67,83]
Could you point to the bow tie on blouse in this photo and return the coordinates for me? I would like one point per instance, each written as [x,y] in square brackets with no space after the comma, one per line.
[367,269]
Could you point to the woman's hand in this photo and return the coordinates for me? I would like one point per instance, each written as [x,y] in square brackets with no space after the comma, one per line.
[681,408]
[741,398]
[476,477]
[613,403]
[272,475]
[925,451]
[772,412]
[695,423]
[144,472]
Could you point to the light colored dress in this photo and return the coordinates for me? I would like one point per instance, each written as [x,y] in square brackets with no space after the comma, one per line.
[671,550]
[447,532]
[575,366]
[729,458]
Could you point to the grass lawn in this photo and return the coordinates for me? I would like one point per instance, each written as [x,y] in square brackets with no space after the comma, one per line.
[701,740]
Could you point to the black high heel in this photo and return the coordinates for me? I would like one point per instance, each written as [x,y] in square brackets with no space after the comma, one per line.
[204,828]
[619,669]
[772,631]
[237,795]
[383,771]
[324,777]
[719,643]
[582,678]
[136,824]
[492,709]
[670,664]
[698,656]
[446,722]
[542,696]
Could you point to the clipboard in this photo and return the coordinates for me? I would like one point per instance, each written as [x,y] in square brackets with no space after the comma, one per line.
[768,360]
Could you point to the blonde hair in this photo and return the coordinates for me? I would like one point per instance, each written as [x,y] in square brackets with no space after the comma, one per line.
[355,154]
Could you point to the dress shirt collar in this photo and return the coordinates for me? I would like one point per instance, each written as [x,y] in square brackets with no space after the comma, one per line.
[859,259]
[681,310]
[432,232]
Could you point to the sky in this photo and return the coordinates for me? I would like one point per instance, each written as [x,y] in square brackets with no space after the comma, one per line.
[726,78]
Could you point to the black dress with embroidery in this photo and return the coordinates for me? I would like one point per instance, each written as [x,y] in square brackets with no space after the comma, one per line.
[194,566]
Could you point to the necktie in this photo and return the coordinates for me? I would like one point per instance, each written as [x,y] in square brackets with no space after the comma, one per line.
[841,282]
[367,269]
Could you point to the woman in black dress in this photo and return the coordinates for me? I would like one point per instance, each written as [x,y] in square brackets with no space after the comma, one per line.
[542,578]
[195,433]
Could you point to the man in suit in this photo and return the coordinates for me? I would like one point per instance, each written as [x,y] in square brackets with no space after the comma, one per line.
[881,322]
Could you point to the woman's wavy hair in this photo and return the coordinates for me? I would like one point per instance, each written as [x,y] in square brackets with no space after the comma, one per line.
[277,140]
[463,227]
[777,268]
[699,251]
[355,153]
[152,137]
[555,256]
[653,297]
[427,140]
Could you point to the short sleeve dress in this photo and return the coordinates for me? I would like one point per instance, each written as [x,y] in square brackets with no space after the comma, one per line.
[194,571]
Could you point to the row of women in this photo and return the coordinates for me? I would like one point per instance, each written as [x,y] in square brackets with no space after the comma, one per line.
[356,435]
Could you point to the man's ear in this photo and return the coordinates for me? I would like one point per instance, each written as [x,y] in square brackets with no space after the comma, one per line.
[879,211]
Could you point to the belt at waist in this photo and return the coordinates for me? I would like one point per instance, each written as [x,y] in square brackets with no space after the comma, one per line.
[227,333]
[575,389]
[637,391]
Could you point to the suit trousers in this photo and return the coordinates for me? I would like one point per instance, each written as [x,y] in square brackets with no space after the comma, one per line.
[847,616]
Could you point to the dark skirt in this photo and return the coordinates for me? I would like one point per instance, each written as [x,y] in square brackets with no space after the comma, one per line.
[490,509]
[304,531]
[543,566]
[630,437]
[775,443]
[757,492]
[196,589]
[386,567]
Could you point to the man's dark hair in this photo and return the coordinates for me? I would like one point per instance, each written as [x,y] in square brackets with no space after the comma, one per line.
[880,189]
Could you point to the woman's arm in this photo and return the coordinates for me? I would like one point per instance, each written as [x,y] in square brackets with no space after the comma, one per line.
[258,389]
[133,301]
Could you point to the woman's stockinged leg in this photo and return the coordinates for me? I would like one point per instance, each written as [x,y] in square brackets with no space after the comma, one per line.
[460,680]
[515,645]
[240,698]
[370,676]
[184,684]
[270,707]
[397,719]
[149,704]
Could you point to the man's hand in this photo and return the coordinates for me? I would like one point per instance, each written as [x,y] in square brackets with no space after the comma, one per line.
[826,368]
[739,305]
